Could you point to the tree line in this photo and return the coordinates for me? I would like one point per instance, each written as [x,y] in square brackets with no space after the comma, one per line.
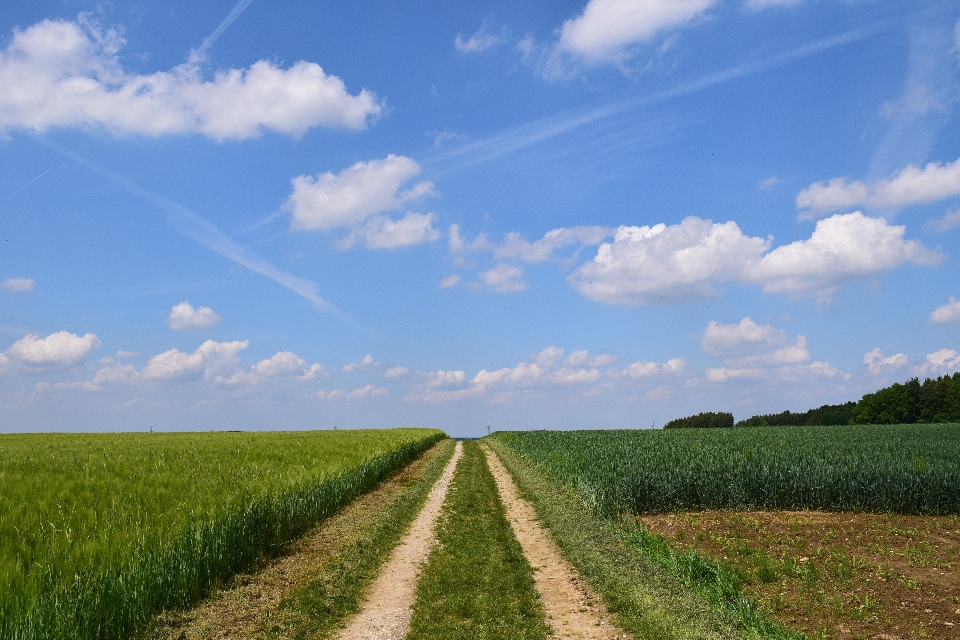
[935,400]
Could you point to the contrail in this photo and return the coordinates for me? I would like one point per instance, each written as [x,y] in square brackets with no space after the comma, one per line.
[552,126]
[31,182]
[239,8]
[207,234]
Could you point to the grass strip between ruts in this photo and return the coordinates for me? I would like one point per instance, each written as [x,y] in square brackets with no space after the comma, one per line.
[477,583]
[320,607]
[648,597]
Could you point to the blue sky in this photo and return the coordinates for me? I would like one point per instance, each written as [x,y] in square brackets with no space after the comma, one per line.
[574,215]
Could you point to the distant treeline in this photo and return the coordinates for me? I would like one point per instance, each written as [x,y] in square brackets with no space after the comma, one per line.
[934,400]
[708,420]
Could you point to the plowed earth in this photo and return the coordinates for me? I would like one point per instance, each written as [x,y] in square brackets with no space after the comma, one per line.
[837,575]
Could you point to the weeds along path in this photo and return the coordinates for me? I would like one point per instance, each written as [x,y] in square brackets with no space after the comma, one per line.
[573,610]
[386,612]
[318,581]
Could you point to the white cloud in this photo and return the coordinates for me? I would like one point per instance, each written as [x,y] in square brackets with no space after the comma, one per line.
[942,361]
[504,277]
[18,285]
[607,27]
[947,222]
[581,357]
[66,74]
[367,363]
[540,372]
[516,247]
[660,264]
[643,369]
[909,186]
[184,316]
[769,183]
[949,312]
[878,364]
[396,372]
[382,232]
[841,248]
[481,40]
[363,392]
[285,364]
[724,339]
[725,374]
[445,379]
[450,281]
[792,354]
[60,349]
[349,198]
[649,265]
[209,358]
[125,354]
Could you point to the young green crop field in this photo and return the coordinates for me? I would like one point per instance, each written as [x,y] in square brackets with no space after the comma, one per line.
[100,531]
[908,469]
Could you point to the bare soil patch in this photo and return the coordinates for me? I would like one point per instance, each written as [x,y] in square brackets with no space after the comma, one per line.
[837,575]
[573,610]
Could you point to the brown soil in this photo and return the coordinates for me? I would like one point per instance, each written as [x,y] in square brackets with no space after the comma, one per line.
[573,611]
[238,609]
[837,575]
[386,612]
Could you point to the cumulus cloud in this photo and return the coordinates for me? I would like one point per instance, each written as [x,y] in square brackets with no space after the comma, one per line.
[582,357]
[879,364]
[841,248]
[347,199]
[363,392]
[184,316]
[541,371]
[450,281]
[769,183]
[18,285]
[60,73]
[503,278]
[174,365]
[947,222]
[60,349]
[382,232]
[649,265]
[396,372]
[515,247]
[940,362]
[283,364]
[481,40]
[367,363]
[909,186]
[606,28]
[660,264]
[724,339]
[949,312]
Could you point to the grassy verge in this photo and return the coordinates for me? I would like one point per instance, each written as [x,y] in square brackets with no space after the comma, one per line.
[365,538]
[477,583]
[640,577]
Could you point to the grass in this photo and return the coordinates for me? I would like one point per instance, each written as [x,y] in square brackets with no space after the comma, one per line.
[477,584]
[907,469]
[645,599]
[100,531]
[364,538]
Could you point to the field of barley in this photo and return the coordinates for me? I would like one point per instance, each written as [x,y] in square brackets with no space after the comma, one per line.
[100,531]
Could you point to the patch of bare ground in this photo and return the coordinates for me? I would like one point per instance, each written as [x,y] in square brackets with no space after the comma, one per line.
[249,601]
[837,575]
[573,610]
